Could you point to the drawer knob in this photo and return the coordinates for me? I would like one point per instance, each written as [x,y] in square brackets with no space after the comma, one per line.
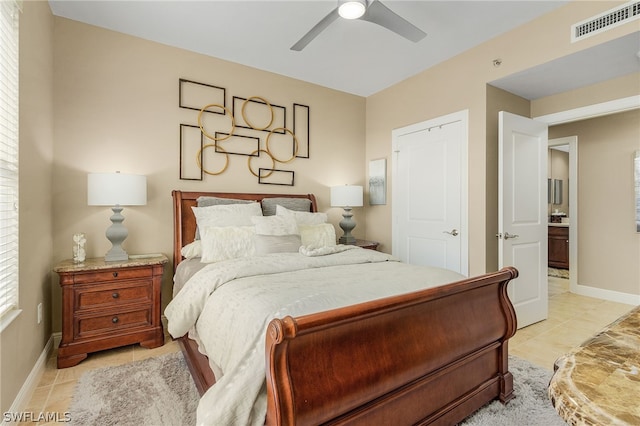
[115,274]
[114,320]
[115,295]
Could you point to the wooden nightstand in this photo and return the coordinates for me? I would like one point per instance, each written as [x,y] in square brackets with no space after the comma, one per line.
[109,304]
[371,245]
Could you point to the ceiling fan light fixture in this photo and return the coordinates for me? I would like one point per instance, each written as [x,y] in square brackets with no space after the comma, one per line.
[352,9]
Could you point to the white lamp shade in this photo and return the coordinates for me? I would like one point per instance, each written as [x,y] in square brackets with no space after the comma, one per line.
[346,196]
[110,189]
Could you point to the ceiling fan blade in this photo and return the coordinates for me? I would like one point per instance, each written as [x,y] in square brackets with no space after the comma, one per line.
[317,29]
[380,14]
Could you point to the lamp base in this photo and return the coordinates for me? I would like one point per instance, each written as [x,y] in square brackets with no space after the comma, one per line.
[116,255]
[116,233]
[347,240]
[347,224]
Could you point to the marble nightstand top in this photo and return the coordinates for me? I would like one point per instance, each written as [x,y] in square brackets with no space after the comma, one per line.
[598,383]
[98,263]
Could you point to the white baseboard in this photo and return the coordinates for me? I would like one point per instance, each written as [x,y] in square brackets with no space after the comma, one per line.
[57,337]
[610,295]
[30,385]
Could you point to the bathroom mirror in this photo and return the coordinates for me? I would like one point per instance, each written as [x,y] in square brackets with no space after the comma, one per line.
[557,191]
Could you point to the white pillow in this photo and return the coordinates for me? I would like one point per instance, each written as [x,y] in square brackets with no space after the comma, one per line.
[275,225]
[192,250]
[226,214]
[266,244]
[226,242]
[323,235]
[302,218]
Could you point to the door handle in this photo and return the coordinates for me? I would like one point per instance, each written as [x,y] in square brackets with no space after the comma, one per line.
[506,235]
[453,232]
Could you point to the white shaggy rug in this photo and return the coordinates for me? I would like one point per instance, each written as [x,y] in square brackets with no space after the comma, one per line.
[159,391]
[155,392]
[531,405]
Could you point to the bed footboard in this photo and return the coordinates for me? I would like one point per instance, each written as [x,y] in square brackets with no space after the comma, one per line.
[433,356]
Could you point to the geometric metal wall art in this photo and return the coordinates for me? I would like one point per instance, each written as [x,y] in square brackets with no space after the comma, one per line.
[192,95]
[191,143]
[301,129]
[251,127]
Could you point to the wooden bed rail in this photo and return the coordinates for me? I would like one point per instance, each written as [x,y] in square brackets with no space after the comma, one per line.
[432,356]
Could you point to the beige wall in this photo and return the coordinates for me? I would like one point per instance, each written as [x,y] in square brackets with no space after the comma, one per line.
[608,244]
[116,108]
[460,83]
[22,342]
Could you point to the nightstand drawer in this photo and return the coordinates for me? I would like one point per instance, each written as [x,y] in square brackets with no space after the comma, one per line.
[101,297]
[113,322]
[120,274]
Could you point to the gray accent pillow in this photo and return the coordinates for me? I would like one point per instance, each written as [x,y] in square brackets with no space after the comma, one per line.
[205,201]
[266,244]
[297,204]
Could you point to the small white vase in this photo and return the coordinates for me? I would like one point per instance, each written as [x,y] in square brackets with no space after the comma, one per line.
[79,247]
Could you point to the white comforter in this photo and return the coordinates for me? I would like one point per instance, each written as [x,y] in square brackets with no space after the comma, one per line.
[231,303]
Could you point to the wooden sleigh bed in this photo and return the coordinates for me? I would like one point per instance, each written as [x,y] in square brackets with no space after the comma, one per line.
[429,357]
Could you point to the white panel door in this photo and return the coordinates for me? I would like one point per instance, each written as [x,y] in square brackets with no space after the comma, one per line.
[522,213]
[427,195]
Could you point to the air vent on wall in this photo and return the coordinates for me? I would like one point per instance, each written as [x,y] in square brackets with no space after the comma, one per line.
[612,18]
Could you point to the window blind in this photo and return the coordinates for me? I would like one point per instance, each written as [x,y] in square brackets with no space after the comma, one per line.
[9,156]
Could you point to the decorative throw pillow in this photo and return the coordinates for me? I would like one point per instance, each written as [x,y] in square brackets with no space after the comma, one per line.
[323,235]
[302,218]
[298,204]
[226,215]
[275,225]
[266,244]
[227,242]
[205,201]
[276,234]
[192,250]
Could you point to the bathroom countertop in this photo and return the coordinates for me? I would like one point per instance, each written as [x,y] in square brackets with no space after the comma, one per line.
[558,224]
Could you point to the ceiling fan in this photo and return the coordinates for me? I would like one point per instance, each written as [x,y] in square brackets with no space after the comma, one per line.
[371,11]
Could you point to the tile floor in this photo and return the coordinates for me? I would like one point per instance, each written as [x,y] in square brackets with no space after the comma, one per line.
[572,319]
[55,390]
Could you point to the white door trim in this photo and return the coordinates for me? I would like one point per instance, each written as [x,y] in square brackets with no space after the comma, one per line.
[591,111]
[462,116]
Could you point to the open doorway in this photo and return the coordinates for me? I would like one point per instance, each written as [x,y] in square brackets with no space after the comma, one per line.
[562,211]
[577,115]
[604,235]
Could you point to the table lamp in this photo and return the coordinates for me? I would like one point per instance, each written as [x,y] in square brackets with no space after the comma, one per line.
[116,190]
[346,196]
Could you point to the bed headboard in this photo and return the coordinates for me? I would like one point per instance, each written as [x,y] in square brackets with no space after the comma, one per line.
[184,221]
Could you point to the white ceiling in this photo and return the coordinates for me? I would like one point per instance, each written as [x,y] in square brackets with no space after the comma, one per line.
[352,56]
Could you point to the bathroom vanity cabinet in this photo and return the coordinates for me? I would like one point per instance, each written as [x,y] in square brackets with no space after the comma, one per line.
[559,247]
